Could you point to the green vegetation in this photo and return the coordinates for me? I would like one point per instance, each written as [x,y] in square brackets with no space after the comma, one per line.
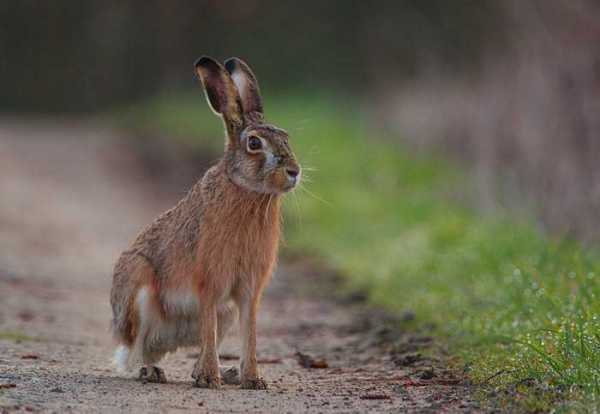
[16,336]
[522,310]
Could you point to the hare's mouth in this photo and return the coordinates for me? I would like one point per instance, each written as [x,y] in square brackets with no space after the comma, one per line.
[281,180]
[291,184]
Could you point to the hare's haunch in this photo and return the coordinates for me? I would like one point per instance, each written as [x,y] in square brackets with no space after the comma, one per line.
[188,275]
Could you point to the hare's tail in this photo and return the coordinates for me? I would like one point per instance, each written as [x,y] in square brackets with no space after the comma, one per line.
[126,359]
[122,359]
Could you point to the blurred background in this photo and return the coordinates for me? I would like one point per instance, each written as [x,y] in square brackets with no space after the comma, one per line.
[458,140]
[510,87]
[112,52]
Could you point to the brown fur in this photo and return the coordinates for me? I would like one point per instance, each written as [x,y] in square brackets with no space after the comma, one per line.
[220,242]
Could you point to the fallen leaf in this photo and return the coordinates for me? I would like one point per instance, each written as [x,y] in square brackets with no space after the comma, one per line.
[269,360]
[25,315]
[228,357]
[375,397]
[308,361]
[30,356]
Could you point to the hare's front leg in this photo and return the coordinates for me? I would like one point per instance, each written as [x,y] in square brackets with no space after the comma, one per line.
[208,375]
[226,316]
[248,366]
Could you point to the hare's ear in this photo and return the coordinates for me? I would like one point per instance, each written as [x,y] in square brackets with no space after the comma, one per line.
[246,84]
[221,92]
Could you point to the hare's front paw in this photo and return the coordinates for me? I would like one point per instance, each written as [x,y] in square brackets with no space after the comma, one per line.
[208,381]
[254,384]
[230,375]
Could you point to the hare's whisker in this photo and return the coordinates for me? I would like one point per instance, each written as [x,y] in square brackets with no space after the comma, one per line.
[313,195]
[297,207]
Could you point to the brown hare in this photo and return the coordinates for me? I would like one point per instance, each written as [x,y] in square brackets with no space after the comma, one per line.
[188,275]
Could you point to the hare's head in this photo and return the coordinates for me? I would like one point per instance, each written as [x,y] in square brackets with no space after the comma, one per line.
[258,156]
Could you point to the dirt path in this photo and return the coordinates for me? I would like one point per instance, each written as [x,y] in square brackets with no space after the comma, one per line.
[71,197]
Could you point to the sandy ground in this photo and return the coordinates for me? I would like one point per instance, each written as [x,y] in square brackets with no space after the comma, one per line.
[72,196]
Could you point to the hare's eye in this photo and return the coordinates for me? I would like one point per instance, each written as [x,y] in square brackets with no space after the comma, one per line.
[254,143]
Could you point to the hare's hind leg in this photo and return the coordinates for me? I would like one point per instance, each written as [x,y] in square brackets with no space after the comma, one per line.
[149,352]
[135,319]
[149,372]
[152,373]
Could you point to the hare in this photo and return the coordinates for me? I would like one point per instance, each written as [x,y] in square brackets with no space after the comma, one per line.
[189,274]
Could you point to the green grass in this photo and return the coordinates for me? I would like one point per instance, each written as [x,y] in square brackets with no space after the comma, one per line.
[17,336]
[516,306]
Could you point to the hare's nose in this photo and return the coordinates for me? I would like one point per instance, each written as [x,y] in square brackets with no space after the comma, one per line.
[292,171]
